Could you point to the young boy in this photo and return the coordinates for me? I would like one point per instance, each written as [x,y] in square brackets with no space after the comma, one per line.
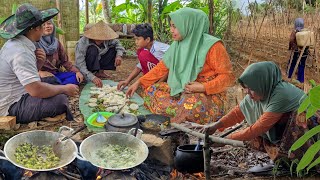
[149,52]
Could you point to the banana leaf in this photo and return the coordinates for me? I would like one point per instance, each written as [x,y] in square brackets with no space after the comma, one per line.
[60,31]
[1,20]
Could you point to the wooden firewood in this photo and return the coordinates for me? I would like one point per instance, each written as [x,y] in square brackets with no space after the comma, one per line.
[214,139]
[7,122]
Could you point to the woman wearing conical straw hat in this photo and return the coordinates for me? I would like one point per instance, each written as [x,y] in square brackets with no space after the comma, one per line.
[98,50]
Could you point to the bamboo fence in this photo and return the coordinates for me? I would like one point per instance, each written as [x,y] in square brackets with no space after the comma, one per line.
[266,38]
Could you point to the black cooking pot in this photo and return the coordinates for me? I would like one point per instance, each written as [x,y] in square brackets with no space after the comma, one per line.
[187,160]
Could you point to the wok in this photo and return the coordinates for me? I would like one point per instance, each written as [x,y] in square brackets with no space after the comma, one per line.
[154,122]
[66,150]
[93,143]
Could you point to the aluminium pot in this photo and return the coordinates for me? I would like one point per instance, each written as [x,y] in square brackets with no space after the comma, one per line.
[90,146]
[66,151]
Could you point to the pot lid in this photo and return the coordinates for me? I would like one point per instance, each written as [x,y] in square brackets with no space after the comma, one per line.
[123,120]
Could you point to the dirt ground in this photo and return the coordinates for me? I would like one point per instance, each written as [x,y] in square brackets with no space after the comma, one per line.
[227,162]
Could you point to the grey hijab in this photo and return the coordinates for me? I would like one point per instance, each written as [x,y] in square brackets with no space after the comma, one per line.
[49,43]
[298,24]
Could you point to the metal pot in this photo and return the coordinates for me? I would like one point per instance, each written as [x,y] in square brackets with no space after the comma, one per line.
[121,123]
[188,160]
[93,143]
[66,151]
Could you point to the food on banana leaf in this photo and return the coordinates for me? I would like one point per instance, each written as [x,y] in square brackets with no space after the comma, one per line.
[36,157]
[109,99]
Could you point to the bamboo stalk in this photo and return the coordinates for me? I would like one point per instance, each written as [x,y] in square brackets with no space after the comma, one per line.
[61,36]
[87,11]
[212,138]
[206,155]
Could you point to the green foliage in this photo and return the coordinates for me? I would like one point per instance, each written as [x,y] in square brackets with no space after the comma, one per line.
[135,11]
[310,104]
[2,19]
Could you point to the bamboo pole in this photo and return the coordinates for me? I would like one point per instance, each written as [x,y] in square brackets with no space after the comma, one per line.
[206,155]
[212,138]
[87,11]
[61,36]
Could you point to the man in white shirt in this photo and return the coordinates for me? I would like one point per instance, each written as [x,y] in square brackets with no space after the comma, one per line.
[149,52]
[22,93]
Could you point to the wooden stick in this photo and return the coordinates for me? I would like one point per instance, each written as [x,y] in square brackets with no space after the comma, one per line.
[298,61]
[212,138]
[87,11]
[61,36]
[206,155]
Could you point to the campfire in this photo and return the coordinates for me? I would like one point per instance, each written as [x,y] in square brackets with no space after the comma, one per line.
[147,170]
[175,174]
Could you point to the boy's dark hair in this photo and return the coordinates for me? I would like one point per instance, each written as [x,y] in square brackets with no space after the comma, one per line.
[143,30]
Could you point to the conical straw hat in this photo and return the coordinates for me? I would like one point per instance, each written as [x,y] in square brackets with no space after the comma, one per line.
[100,31]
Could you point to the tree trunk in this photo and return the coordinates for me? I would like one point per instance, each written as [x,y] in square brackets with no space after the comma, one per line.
[211,20]
[106,10]
[149,13]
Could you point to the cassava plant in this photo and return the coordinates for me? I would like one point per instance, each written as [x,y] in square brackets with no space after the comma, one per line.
[310,105]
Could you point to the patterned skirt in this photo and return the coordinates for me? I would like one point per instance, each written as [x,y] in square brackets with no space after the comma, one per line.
[295,128]
[196,107]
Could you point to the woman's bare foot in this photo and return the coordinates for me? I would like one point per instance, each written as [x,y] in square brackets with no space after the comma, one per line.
[101,74]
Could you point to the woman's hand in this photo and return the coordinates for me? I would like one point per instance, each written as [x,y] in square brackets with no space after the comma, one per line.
[118,61]
[79,77]
[211,128]
[97,81]
[132,89]
[194,87]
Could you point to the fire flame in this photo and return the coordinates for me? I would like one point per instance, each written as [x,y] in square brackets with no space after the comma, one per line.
[200,175]
[27,174]
[175,174]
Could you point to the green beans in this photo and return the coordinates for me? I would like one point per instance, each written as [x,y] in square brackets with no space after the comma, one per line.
[36,157]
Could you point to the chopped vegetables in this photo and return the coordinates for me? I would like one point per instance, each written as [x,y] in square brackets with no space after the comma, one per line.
[36,157]
[116,156]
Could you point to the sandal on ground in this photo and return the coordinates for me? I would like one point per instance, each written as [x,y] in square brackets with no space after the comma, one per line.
[261,168]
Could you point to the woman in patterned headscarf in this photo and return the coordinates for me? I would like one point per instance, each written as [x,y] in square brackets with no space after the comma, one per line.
[55,58]
[198,68]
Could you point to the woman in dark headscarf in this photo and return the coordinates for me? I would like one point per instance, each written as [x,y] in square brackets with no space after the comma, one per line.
[269,109]
[55,58]
[295,52]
